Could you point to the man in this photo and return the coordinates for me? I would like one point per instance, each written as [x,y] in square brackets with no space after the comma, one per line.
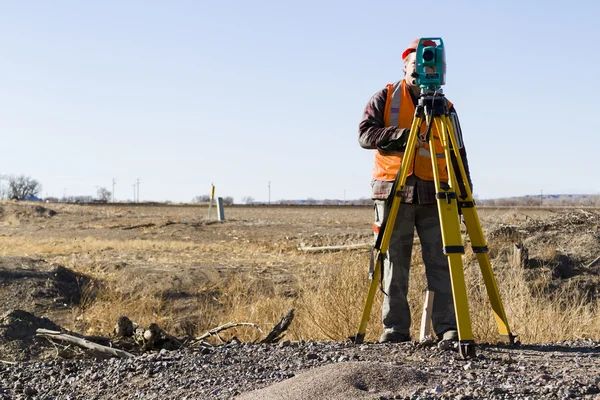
[385,127]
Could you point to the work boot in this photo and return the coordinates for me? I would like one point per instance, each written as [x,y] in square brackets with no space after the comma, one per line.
[449,339]
[394,337]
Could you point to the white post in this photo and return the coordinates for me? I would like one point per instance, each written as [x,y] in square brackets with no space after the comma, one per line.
[426,317]
[220,210]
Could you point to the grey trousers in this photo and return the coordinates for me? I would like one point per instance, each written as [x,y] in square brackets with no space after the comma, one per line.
[396,267]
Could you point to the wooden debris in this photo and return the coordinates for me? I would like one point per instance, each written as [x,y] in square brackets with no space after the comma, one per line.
[277,333]
[520,255]
[593,263]
[302,247]
[155,337]
[426,317]
[81,342]
[124,327]
[229,325]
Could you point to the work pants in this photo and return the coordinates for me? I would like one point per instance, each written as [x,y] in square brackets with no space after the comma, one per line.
[396,267]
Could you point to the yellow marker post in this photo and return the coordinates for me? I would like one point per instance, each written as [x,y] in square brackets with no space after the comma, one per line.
[212,198]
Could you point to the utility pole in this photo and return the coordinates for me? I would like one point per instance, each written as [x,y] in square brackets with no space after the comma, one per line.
[134,193]
[4,193]
[541,197]
[269,192]
[113,192]
[138,189]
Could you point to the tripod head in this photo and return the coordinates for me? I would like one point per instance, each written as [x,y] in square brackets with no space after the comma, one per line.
[431,57]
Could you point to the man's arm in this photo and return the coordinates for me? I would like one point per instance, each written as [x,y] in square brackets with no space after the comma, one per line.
[461,148]
[372,133]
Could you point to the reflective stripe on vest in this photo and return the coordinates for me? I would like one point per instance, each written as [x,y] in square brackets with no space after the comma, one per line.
[394,110]
[399,111]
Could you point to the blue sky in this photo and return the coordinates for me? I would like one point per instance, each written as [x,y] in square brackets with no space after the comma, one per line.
[183,94]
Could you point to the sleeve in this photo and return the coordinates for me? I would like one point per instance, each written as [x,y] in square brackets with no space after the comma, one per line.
[372,132]
[461,150]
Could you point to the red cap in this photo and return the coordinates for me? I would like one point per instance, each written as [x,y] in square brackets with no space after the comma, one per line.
[413,47]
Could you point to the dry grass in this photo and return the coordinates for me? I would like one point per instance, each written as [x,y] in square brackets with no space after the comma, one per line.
[330,308]
[331,304]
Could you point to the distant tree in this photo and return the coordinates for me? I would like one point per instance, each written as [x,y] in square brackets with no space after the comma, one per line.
[247,199]
[22,186]
[201,199]
[228,200]
[104,194]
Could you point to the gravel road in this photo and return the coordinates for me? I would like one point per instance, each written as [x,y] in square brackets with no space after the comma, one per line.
[317,370]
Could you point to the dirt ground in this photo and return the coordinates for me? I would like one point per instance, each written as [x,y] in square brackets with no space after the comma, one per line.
[51,254]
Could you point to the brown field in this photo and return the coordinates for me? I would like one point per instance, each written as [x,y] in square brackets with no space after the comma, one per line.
[171,265]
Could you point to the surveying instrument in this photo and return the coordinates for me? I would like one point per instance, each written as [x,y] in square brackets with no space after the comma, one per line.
[457,199]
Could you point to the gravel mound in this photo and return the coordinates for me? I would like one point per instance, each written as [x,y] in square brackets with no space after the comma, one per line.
[341,381]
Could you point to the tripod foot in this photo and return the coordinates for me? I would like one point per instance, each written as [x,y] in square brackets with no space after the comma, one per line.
[466,349]
[508,339]
[358,339]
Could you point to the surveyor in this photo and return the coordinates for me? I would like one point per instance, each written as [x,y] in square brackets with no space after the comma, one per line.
[385,128]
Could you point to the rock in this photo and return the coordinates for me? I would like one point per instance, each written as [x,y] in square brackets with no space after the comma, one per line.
[29,391]
[591,389]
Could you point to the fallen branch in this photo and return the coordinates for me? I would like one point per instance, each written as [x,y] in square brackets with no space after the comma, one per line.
[302,247]
[277,332]
[55,335]
[229,325]
[590,265]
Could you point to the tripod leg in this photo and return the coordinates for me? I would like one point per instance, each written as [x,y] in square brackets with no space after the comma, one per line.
[360,336]
[389,226]
[452,241]
[479,245]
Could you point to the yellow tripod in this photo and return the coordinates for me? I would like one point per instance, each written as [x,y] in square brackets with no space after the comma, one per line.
[433,109]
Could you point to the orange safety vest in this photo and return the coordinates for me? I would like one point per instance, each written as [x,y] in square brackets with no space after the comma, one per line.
[400,111]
